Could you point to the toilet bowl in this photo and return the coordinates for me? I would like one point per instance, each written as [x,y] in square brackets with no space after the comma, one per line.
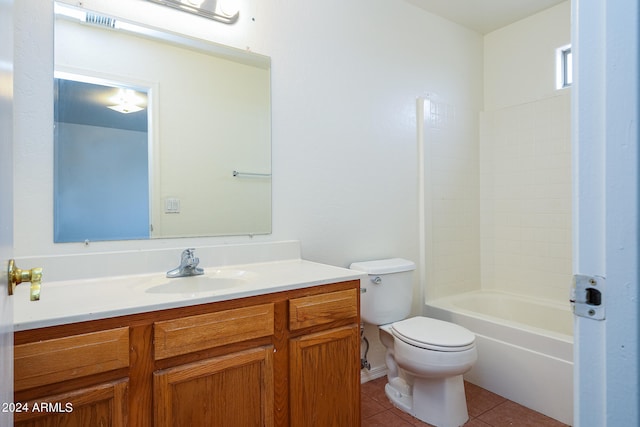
[425,378]
[425,358]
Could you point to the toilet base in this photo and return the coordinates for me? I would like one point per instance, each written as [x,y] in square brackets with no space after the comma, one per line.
[441,401]
[401,400]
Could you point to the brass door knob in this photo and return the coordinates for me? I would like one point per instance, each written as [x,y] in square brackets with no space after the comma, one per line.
[17,276]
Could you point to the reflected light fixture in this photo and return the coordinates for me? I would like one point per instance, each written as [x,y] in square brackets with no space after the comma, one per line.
[225,11]
[127,101]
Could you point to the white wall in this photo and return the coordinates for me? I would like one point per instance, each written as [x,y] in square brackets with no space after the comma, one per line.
[525,159]
[345,77]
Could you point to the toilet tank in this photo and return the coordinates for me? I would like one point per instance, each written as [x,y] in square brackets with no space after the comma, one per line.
[387,293]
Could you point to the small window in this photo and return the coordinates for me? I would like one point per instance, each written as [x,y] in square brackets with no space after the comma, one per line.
[564,67]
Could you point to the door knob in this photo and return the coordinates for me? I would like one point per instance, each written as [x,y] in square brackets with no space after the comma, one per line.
[17,276]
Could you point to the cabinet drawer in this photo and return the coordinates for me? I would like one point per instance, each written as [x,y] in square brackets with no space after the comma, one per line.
[189,334]
[323,308]
[60,359]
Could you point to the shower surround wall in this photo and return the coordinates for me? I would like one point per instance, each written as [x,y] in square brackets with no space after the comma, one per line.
[497,207]
[513,231]
[451,235]
[525,160]
[525,165]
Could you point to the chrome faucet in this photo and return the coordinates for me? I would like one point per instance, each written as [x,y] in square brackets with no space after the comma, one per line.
[188,265]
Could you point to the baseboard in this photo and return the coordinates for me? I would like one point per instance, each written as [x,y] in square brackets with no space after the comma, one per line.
[367,375]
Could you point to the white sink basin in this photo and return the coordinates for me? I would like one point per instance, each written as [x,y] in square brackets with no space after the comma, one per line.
[211,281]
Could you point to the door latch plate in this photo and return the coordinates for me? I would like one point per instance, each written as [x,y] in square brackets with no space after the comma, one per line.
[588,296]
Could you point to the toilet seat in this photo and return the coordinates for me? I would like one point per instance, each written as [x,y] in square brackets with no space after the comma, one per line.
[433,334]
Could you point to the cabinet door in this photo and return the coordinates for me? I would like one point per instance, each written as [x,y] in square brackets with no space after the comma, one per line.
[103,405]
[325,378]
[230,390]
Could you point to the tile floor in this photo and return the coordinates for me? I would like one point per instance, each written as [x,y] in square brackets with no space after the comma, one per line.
[486,409]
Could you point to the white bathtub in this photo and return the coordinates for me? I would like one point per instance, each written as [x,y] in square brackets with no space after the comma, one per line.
[525,347]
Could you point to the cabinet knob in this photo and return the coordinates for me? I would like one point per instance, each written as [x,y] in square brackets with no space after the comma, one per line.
[17,276]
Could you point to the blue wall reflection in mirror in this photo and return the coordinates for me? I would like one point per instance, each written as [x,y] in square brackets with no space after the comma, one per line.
[101,178]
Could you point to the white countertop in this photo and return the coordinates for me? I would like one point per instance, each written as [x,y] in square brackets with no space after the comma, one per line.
[63,302]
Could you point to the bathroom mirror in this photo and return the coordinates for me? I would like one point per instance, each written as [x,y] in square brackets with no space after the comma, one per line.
[197,161]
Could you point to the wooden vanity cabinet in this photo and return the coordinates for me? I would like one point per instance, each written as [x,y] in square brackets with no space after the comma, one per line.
[284,359]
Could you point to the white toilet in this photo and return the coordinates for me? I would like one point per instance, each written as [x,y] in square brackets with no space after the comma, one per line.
[425,357]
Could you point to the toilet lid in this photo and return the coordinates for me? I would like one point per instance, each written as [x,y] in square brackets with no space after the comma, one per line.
[433,334]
